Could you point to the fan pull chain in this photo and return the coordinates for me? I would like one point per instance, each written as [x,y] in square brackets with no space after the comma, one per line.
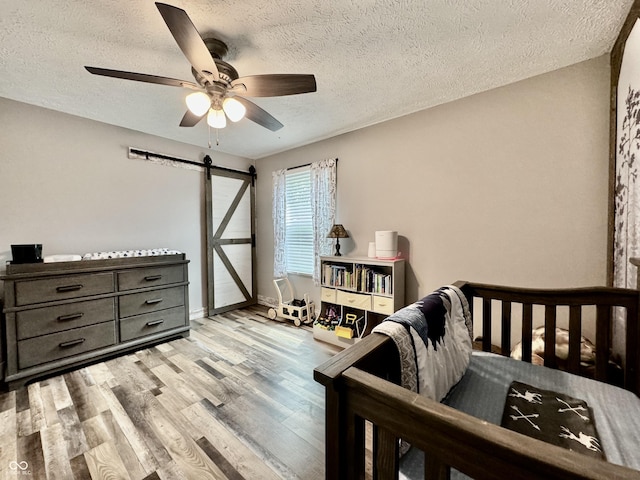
[217,137]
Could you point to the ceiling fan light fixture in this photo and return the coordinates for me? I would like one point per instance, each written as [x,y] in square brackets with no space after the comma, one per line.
[217,82]
[234,109]
[216,119]
[198,103]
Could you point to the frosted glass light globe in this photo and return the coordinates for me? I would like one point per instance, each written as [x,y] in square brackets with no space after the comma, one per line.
[198,103]
[216,119]
[234,109]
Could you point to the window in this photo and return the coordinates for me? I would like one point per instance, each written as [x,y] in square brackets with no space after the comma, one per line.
[304,209]
[299,224]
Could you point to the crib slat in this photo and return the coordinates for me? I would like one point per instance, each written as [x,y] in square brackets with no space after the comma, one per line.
[385,454]
[355,446]
[486,324]
[575,332]
[335,433]
[549,336]
[506,328]
[632,364]
[435,470]
[526,331]
[603,333]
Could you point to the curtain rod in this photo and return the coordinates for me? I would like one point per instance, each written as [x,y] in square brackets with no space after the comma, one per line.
[302,166]
[207,163]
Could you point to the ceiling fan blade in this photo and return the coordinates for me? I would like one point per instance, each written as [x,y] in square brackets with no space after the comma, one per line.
[276,85]
[143,77]
[188,39]
[190,120]
[259,116]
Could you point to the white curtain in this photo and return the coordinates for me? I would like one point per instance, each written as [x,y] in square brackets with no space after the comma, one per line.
[323,205]
[627,189]
[279,223]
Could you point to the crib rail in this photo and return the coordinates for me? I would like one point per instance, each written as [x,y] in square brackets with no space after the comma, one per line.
[606,300]
[376,354]
[361,383]
[450,439]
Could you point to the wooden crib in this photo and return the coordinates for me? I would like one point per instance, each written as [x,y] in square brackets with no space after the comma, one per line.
[361,384]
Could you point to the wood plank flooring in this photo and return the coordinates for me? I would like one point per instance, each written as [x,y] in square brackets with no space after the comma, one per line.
[236,400]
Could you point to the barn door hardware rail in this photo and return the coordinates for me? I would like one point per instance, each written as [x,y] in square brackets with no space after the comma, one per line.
[206,164]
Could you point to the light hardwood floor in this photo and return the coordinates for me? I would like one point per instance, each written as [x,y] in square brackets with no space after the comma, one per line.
[235,400]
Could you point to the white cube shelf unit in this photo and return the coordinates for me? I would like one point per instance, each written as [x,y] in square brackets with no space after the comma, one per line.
[367,289]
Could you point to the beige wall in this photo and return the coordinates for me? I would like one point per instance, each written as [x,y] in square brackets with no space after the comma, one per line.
[66,182]
[507,186]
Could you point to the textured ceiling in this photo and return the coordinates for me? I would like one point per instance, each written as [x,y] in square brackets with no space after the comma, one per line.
[373,60]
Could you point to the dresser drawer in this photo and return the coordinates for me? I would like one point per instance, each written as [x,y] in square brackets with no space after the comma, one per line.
[42,321]
[55,346]
[141,325]
[61,288]
[383,304]
[145,302]
[150,277]
[328,295]
[354,300]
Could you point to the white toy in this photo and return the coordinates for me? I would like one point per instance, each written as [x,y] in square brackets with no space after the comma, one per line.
[300,311]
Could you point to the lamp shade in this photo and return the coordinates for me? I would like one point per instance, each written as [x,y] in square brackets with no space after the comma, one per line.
[234,109]
[338,231]
[216,119]
[198,103]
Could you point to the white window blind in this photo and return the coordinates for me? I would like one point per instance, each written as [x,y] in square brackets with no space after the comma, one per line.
[299,226]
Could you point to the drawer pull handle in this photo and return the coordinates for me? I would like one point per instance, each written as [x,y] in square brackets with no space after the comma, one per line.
[155,322]
[71,343]
[71,316]
[153,301]
[68,288]
[153,278]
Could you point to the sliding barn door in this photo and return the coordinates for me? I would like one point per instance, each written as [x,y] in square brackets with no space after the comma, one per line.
[230,240]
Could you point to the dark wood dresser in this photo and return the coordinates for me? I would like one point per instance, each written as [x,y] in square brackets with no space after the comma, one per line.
[62,315]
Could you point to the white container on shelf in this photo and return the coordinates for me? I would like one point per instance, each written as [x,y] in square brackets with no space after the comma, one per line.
[372,250]
[386,244]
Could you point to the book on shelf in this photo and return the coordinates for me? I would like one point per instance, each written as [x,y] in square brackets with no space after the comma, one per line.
[369,280]
[362,278]
[337,276]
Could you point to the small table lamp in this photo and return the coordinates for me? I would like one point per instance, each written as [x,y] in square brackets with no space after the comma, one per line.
[338,232]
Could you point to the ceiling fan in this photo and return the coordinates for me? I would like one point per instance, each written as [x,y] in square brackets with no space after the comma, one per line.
[219,92]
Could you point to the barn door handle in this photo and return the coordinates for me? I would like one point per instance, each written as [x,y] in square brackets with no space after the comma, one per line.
[155,322]
[153,301]
[71,343]
[153,278]
[68,288]
[71,316]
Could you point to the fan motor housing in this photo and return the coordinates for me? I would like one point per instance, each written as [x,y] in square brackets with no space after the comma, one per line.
[218,50]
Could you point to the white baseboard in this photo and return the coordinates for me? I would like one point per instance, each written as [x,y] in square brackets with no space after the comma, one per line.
[267,301]
[197,313]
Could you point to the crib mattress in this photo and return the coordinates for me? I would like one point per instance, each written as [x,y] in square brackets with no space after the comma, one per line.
[483,389]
